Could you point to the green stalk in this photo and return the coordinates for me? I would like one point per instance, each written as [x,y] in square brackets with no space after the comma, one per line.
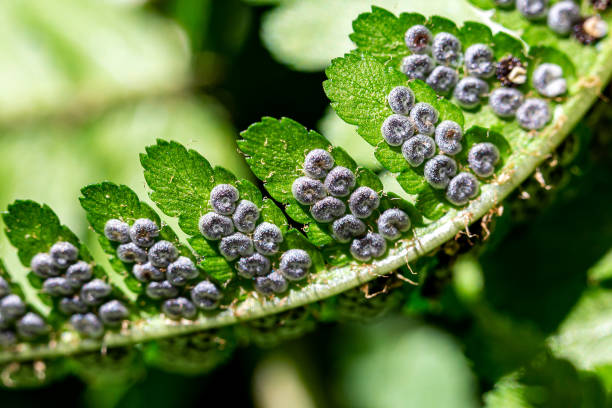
[332,281]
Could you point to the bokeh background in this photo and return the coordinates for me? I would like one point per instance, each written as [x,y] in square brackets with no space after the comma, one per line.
[524,321]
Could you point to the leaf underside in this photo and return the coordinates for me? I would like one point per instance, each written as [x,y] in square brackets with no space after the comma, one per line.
[180,181]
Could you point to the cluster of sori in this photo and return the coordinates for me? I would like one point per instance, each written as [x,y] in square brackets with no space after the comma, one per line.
[325,186]
[15,320]
[414,134]
[252,246]
[563,17]
[80,296]
[158,264]
[437,60]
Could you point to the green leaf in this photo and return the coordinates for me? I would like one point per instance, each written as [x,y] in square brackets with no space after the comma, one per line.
[33,228]
[391,157]
[504,44]
[358,86]
[275,152]
[412,180]
[381,34]
[105,201]
[181,181]
[475,33]
[431,203]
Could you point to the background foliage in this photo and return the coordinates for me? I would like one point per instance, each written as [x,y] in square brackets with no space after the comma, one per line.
[525,320]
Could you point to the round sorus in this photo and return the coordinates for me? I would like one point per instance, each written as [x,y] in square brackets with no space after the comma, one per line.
[340,181]
[505,101]
[482,158]
[143,232]
[562,16]
[12,307]
[113,313]
[347,227]
[424,116]
[417,66]
[146,272]
[373,245]
[270,284]
[462,188]
[479,61]
[327,209]
[418,39]
[417,149]
[532,9]
[42,265]
[79,273]
[57,286]
[392,223]
[253,265]
[117,231]
[267,238]
[396,129]
[307,191]
[448,137]
[363,202]
[548,80]
[245,217]
[179,308]
[161,290]
[223,198]
[131,253]
[446,49]
[205,295]
[439,170]
[72,305]
[295,264]
[162,253]
[88,325]
[214,226]
[181,271]
[31,326]
[94,292]
[469,90]
[63,254]
[401,100]
[317,163]
[533,114]
[442,79]
[236,245]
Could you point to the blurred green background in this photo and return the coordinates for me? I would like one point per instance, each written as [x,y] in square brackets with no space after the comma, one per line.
[522,321]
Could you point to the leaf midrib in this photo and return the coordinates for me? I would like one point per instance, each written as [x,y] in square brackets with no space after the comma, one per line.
[332,281]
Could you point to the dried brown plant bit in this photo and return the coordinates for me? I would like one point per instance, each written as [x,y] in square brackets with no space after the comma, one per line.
[511,71]
[600,5]
[590,29]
